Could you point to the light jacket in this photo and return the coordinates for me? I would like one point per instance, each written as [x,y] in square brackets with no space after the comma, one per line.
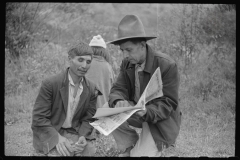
[50,108]
[101,73]
[163,114]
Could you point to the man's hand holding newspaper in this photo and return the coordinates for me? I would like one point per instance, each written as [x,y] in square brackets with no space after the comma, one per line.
[111,118]
[124,103]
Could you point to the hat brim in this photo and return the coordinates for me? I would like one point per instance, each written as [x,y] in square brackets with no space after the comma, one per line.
[120,39]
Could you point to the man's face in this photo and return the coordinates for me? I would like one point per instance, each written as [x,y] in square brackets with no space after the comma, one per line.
[134,52]
[79,65]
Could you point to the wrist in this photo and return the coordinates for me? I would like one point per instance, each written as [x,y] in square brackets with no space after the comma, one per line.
[59,136]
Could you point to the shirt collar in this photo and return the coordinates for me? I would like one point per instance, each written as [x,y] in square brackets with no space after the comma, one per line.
[71,81]
[141,65]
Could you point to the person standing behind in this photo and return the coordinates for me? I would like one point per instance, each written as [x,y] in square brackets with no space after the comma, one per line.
[101,72]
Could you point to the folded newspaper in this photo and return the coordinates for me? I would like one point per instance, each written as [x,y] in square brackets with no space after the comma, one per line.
[111,118]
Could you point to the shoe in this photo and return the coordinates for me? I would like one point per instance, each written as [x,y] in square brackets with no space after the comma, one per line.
[126,153]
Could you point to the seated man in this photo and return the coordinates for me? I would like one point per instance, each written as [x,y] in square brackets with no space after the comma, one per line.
[64,106]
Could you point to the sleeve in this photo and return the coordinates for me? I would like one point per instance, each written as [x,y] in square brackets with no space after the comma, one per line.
[85,128]
[161,108]
[112,76]
[41,124]
[119,89]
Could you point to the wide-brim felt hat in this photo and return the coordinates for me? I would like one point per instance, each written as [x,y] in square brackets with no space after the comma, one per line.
[130,27]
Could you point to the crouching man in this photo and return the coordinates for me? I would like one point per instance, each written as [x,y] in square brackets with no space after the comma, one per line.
[64,107]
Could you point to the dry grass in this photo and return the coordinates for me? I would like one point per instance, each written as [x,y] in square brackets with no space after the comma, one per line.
[201,134]
[207,129]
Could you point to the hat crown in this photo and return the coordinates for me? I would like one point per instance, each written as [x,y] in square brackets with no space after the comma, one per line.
[131,26]
[98,41]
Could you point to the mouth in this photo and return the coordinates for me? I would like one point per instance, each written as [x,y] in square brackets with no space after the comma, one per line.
[81,71]
[132,61]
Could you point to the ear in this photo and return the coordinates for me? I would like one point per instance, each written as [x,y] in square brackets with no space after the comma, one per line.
[70,59]
[143,44]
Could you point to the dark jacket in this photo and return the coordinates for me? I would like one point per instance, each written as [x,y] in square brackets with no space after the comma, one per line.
[163,114]
[50,108]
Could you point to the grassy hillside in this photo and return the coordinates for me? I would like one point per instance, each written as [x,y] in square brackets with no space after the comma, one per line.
[116,11]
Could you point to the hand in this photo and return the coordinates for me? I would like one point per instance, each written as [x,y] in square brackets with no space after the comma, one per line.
[124,103]
[141,112]
[64,146]
[80,145]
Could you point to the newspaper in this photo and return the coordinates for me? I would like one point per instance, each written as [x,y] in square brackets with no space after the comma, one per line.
[111,118]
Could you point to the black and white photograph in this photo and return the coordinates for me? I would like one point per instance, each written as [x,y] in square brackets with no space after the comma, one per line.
[64,61]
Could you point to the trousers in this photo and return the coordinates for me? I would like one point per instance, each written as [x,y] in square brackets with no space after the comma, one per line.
[144,145]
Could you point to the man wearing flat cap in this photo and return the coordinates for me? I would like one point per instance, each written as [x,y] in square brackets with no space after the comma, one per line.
[160,121]
[64,107]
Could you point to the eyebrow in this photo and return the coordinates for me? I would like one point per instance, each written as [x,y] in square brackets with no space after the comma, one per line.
[85,58]
[125,48]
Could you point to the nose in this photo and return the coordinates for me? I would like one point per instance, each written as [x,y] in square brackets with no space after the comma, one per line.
[125,54]
[84,64]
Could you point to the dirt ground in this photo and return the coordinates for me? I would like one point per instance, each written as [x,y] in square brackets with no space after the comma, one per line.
[18,141]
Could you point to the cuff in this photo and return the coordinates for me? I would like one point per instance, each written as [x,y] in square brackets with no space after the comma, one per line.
[90,138]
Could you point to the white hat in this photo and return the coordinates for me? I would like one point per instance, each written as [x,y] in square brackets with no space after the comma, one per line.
[98,41]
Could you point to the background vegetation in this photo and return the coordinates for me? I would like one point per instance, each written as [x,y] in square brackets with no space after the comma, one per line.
[200,37]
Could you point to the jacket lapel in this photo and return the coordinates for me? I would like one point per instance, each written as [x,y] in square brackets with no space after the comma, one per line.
[147,72]
[149,60]
[131,75]
[64,91]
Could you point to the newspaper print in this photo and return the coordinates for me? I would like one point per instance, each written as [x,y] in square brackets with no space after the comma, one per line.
[154,87]
[106,125]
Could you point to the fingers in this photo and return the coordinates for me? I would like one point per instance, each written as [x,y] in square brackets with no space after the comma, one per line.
[78,149]
[78,154]
[83,144]
[58,150]
[119,104]
[141,113]
[62,150]
[65,149]
[81,141]
[80,145]
[122,104]
[70,141]
[68,145]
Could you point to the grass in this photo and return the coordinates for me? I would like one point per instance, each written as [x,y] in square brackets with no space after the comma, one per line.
[19,106]
[206,129]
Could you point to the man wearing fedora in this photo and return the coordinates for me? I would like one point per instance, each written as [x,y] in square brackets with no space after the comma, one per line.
[161,120]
